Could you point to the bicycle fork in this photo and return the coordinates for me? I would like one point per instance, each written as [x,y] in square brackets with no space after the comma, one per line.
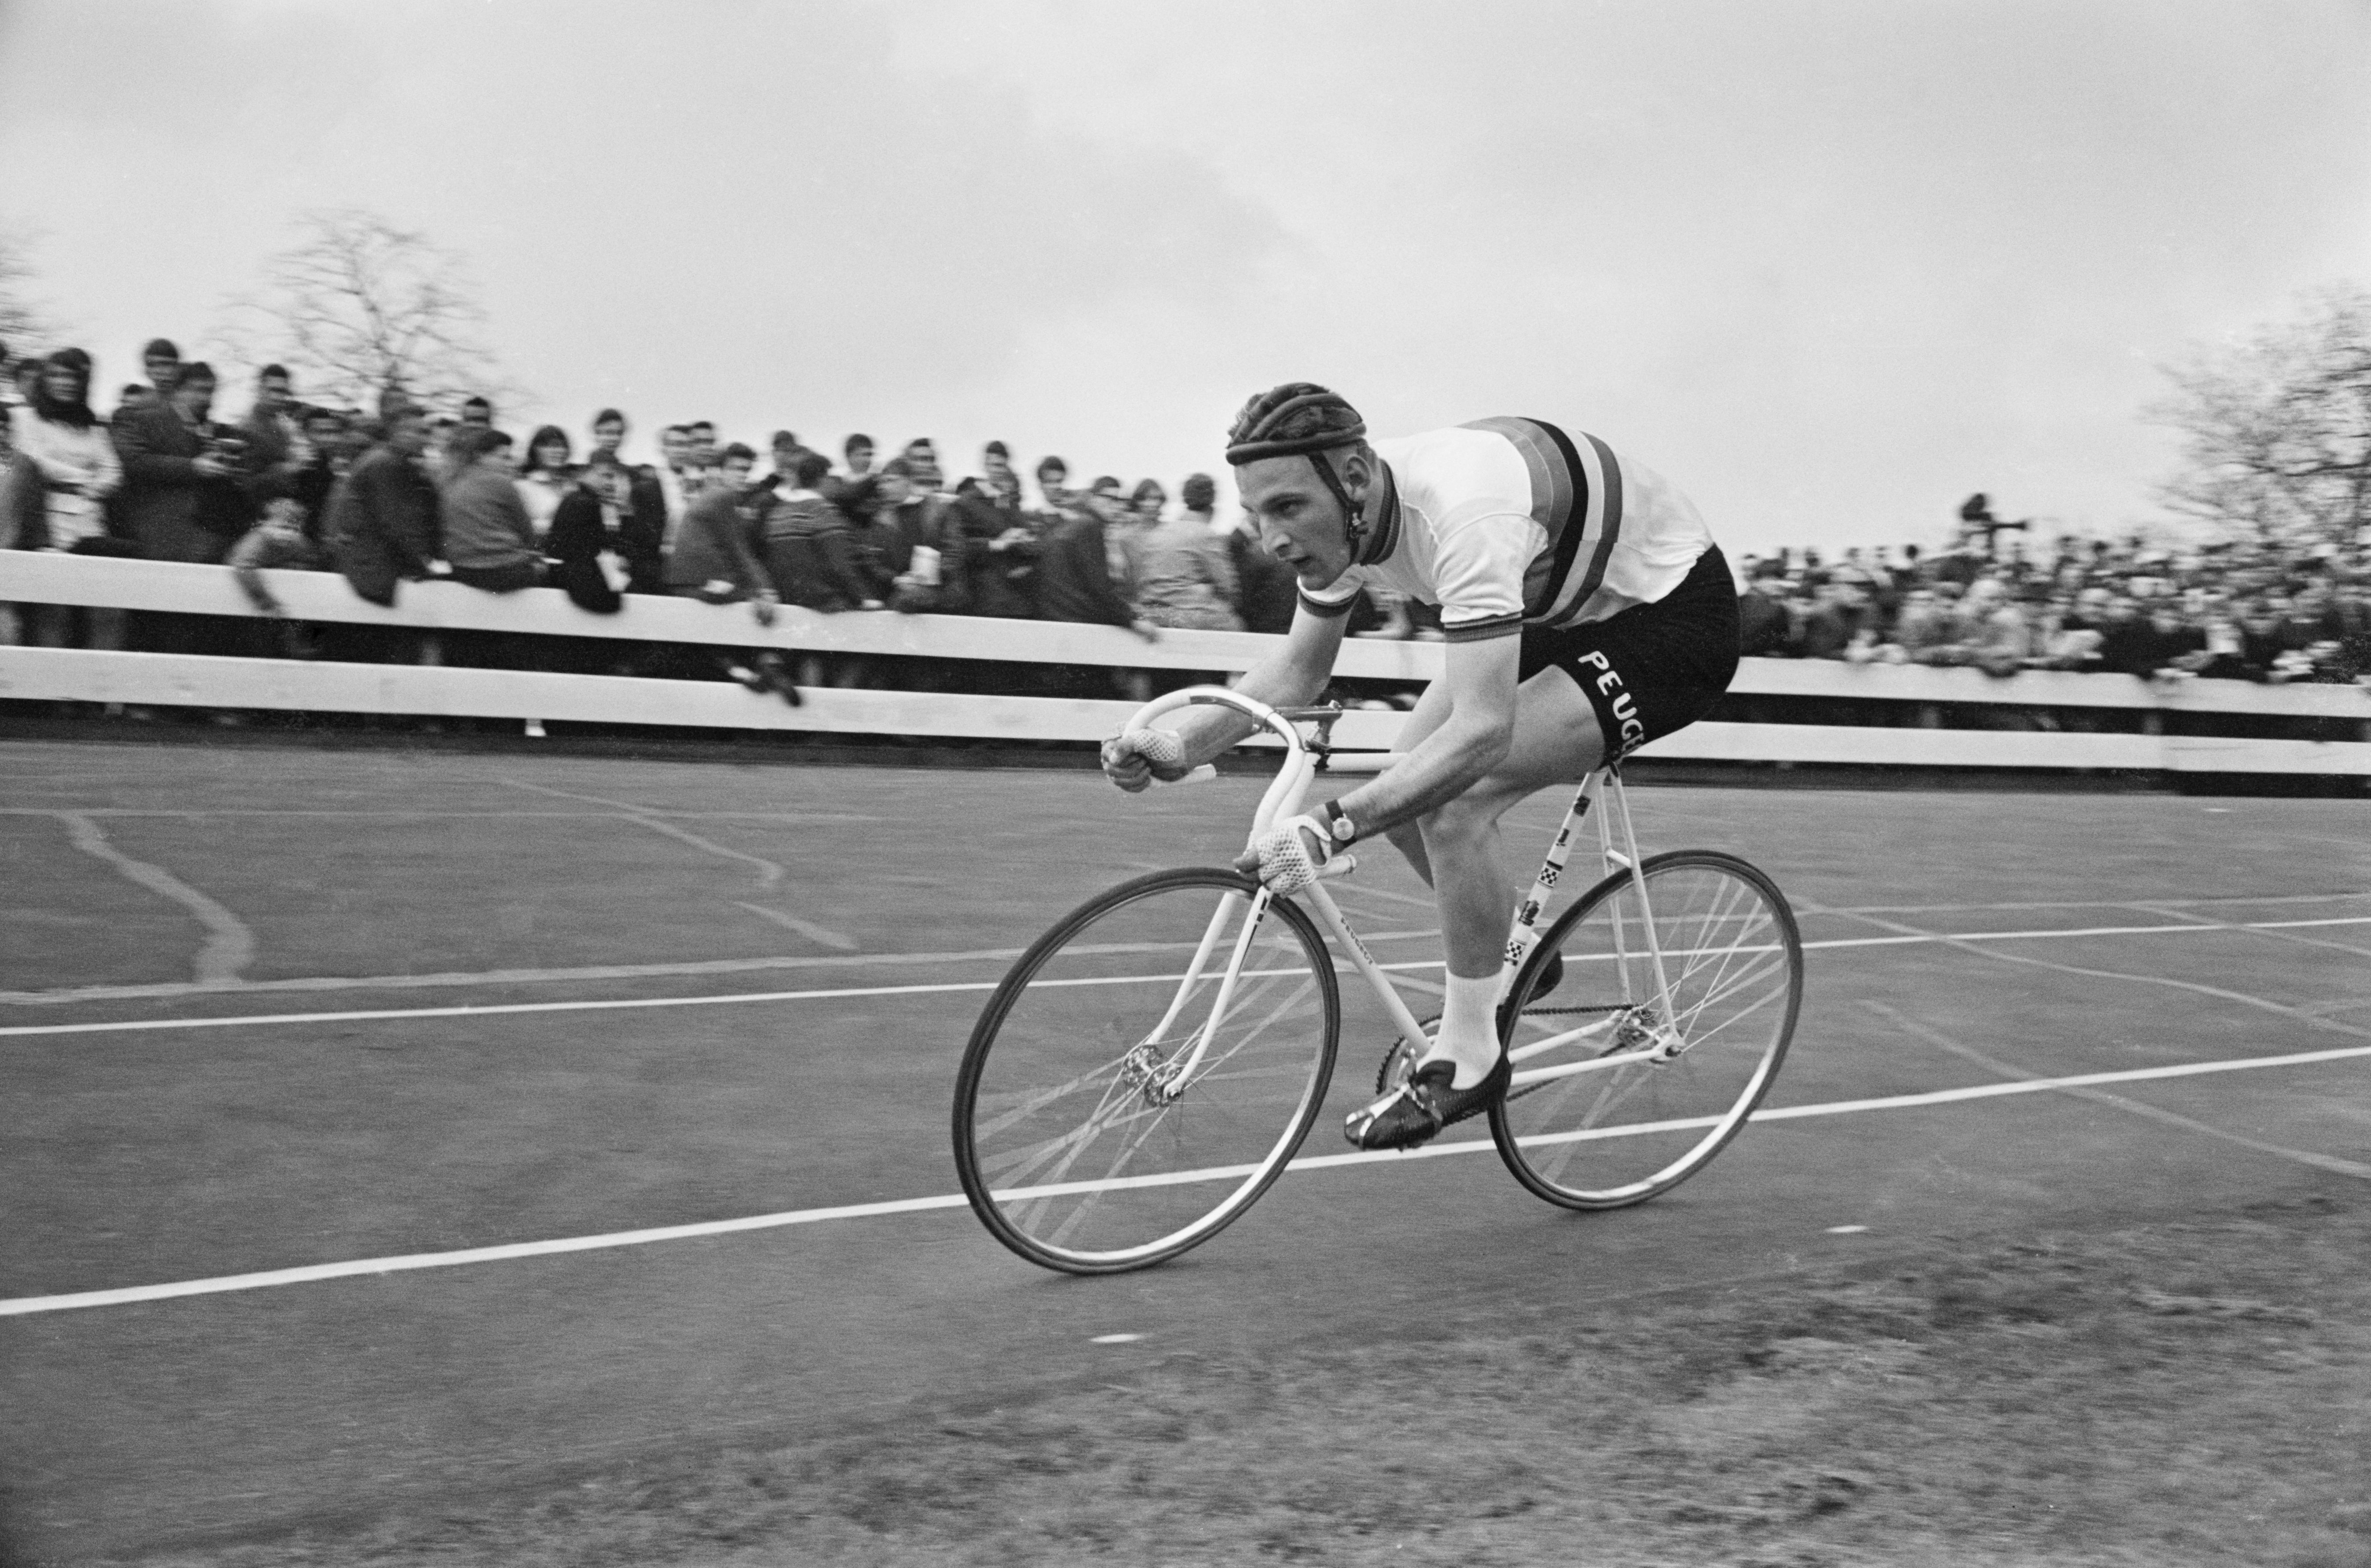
[1162,1082]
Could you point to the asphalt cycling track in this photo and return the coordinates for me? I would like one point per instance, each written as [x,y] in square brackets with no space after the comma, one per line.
[387,1123]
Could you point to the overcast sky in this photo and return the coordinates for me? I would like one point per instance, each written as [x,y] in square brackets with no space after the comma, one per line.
[1829,266]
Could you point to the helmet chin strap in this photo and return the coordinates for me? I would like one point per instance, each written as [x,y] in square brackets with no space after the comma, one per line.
[1354,520]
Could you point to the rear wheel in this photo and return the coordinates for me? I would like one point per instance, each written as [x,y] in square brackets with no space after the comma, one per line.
[1621,1091]
[1145,1071]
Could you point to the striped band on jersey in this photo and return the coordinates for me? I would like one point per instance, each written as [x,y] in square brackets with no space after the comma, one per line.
[1507,625]
[1576,498]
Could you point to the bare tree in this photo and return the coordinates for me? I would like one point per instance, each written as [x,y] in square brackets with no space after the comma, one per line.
[24,327]
[2279,428]
[360,309]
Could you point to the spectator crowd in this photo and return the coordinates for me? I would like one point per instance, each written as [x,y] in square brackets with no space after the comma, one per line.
[404,494]
[2258,611]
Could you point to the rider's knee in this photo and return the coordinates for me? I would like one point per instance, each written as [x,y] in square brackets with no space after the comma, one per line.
[1467,816]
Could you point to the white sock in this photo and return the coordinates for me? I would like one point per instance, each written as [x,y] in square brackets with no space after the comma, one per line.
[1469,1029]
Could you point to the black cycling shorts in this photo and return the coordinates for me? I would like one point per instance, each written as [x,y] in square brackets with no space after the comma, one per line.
[1652,668]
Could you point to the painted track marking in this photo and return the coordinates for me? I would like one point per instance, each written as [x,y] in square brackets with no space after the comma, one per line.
[1942,1042]
[1912,939]
[25,1306]
[229,946]
[2196,987]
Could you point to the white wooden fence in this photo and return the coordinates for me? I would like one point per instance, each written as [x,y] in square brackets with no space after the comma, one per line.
[151,679]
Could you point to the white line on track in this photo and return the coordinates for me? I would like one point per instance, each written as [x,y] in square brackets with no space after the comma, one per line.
[1943,1041]
[368,1015]
[25,1306]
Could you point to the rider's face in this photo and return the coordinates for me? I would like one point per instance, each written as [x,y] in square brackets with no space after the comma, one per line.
[1299,522]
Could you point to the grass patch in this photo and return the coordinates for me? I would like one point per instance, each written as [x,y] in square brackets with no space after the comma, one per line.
[2192,1393]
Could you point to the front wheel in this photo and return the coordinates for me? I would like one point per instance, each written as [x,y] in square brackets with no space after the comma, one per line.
[1145,1071]
[1631,1074]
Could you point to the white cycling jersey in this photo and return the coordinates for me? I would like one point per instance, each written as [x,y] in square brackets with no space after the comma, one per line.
[1509,522]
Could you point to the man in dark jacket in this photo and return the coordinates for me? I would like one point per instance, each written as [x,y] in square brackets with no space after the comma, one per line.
[644,527]
[274,454]
[906,521]
[383,518]
[180,499]
[1074,575]
[999,549]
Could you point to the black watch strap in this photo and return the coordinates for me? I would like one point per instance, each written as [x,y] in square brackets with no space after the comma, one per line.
[1338,821]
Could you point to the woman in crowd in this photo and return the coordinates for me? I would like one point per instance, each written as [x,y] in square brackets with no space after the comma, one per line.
[546,477]
[65,468]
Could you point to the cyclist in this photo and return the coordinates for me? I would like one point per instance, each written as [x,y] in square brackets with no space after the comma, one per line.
[1586,609]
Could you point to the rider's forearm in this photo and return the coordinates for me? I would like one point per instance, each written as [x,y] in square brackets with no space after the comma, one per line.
[1279,680]
[1443,766]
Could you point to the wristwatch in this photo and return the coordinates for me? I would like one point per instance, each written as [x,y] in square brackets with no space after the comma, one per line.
[1338,823]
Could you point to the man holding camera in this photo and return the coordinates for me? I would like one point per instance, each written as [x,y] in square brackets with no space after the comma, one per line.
[183,497]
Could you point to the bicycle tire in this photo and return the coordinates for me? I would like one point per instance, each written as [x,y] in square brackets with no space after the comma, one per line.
[1605,1138]
[1065,1052]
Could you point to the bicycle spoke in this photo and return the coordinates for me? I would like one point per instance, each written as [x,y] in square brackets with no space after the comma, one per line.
[1625,1131]
[1069,1145]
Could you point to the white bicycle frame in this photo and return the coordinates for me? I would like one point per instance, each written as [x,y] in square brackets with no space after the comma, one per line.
[1283,798]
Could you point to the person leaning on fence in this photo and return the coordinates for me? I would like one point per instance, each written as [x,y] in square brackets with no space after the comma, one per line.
[585,547]
[489,537]
[1075,583]
[278,543]
[384,525]
[716,560]
[921,543]
[998,545]
[1188,577]
[64,470]
[182,497]
[715,555]
[809,552]
[276,451]
[325,438]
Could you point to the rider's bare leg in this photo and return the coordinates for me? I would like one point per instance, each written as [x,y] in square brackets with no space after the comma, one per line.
[1455,848]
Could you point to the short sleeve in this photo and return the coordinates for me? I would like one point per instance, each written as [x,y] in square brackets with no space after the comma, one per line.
[1478,573]
[1337,597]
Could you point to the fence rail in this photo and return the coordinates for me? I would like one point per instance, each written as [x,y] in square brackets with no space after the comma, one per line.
[286,684]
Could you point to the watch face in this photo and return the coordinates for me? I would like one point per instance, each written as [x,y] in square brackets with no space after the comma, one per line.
[1342,828]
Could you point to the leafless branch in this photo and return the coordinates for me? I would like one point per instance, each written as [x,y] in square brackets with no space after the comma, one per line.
[2277,431]
[24,326]
[360,309]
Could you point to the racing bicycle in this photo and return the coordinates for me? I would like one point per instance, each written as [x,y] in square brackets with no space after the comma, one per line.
[1150,1065]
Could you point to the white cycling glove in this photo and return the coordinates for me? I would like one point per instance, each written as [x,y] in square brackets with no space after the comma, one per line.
[1159,748]
[1291,852]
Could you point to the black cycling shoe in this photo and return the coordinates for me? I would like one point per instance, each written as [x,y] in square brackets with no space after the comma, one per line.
[1412,1113]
